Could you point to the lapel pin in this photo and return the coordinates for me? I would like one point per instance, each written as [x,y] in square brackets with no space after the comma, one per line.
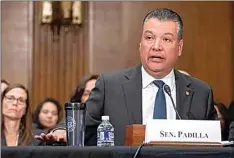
[187,92]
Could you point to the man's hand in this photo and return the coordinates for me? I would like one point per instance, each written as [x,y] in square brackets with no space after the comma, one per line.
[58,135]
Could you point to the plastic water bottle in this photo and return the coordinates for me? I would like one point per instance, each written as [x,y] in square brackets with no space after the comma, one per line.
[105,133]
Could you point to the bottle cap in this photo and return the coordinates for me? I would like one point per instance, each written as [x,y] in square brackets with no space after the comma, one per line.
[105,117]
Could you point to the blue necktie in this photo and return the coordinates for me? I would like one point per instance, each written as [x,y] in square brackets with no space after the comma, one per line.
[160,111]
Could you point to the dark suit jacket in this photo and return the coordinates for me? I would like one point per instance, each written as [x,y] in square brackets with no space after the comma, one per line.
[119,95]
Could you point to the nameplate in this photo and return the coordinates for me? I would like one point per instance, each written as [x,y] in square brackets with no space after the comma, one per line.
[183,131]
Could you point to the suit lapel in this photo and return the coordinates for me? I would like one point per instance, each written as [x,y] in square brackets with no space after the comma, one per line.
[184,95]
[132,89]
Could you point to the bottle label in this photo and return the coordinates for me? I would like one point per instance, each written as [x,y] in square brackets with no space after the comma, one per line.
[106,135]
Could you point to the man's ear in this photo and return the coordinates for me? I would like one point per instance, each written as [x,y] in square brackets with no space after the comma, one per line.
[181,44]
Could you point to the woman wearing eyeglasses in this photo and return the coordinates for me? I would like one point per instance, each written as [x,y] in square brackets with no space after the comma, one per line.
[16,117]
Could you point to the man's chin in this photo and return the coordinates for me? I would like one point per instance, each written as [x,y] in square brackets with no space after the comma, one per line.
[156,73]
[156,68]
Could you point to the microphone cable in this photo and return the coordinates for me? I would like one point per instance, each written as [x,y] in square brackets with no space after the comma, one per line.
[139,149]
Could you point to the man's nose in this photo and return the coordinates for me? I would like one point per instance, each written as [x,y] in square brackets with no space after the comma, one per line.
[157,45]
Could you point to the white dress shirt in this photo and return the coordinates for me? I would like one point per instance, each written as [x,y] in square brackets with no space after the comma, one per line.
[149,91]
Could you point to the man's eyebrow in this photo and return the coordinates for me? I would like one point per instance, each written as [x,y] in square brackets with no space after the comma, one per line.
[169,34]
[148,31]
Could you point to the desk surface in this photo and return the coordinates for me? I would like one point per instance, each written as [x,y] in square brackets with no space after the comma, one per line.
[115,152]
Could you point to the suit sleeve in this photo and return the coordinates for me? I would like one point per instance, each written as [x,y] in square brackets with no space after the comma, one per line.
[211,113]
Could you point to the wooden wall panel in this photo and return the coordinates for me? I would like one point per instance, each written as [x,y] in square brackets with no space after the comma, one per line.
[58,60]
[108,40]
[16,41]
[105,40]
[208,39]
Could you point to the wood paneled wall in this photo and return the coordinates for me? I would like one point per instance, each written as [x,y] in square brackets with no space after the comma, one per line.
[16,38]
[108,40]
[208,39]
[58,60]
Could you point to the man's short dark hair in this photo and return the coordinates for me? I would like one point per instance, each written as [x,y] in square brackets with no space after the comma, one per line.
[164,14]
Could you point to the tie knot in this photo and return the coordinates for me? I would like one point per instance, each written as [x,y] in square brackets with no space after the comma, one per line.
[159,83]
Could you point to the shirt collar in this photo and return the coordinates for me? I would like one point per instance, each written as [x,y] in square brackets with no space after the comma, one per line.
[147,79]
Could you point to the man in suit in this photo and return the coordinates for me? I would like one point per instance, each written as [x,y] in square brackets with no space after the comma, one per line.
[135,95]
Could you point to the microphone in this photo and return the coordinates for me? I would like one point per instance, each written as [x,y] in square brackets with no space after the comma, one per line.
[168,91]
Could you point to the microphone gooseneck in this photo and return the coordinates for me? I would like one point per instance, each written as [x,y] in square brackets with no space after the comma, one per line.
[168,91]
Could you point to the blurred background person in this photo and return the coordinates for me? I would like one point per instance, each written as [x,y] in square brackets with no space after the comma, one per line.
[47,114]
[4,85]
[16,126]
[227,113]
[84,88]
[221,111]
[223,114]
[81,95]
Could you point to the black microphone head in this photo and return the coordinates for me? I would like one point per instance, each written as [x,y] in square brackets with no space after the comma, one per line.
[167,89]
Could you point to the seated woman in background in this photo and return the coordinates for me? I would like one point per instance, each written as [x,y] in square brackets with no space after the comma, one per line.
[48,114]
[83,90]
[4,85]
[17,118]
[81,95]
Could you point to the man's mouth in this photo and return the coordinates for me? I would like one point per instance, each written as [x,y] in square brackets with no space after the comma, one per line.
[156,58]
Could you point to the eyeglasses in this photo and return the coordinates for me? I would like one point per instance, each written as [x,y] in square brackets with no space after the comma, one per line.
[11,99]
